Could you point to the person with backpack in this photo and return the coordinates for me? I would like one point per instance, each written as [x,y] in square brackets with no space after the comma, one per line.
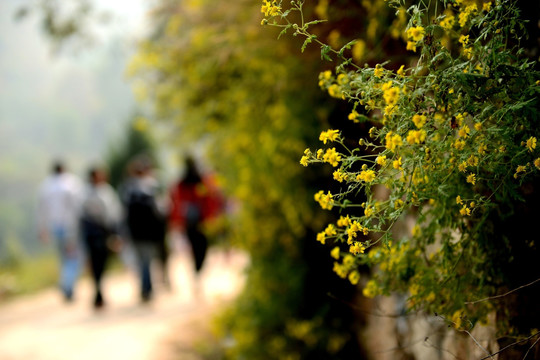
[194,199]
[145,221]
[100,222]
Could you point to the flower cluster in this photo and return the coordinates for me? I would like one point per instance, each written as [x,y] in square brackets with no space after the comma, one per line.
[455,125]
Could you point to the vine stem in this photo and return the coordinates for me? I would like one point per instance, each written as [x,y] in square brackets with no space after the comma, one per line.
[502,295]
[489,356]
[513,344]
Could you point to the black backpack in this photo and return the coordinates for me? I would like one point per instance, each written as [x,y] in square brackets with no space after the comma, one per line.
[143,218]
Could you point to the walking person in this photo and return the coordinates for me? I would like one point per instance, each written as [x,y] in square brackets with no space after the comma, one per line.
[193,200]
[59,205]
[145,220]
[100,223]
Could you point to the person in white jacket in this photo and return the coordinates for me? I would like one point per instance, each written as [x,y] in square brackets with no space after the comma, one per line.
[59,207]
[100,225]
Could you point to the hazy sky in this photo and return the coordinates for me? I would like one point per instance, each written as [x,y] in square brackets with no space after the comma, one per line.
[71,105]
[80,92]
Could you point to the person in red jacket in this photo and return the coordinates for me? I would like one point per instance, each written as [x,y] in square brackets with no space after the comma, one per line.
[194,199]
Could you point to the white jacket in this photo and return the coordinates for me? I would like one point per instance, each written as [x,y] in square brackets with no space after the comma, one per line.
[59,203]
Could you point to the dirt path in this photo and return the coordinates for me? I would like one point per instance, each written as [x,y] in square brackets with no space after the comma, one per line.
[42,327]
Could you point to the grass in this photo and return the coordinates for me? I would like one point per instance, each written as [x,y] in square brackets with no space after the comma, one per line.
[26,275]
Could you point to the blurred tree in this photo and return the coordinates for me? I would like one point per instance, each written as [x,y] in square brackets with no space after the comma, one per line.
[136,140]
[209,71]
[66,22]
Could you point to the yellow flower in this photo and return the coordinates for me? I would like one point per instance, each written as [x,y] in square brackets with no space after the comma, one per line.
[379,70]
[320,153]
[465,14]
[330,230]
[265,7]
[335,253]
[464,40]
[448,22]
[329,135]
[304,160]
[457,318]
[332,157]
[342,79]
[274,11]
[369,210]
[411,45]
[531,143]
[392,140]
[321,237]
[416,136]
[366,175]
[354,277]
[391,95]
[419,120]
[459,144]
[344,221]
[464,131]
[462,166]
[458,200]
[270,8]
[401,70]
[486,6]
[416,33]
[396,164]
[354,116]
[416,230]
[478,126]
[339,175]
[482,149]
[348,260]
[465,211]
[537,163]
[519,170]
[326,75]
[381,160]
[471,178]
[340,270]
[472,160]
[371,290]
[357,248]
[325,200]
[334,91]
[358,50]
[398,204]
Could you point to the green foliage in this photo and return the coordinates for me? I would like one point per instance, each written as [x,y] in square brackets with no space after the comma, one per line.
[24,275]
[211,74]
[137,141]
[453,145]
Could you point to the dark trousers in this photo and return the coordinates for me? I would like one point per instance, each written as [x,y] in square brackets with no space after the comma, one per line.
[199,245]
[146,251]
[98,255]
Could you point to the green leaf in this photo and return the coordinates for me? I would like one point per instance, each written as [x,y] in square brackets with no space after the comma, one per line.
[305,44]
[325,50]
[314,22]
[347,46]
[284,31]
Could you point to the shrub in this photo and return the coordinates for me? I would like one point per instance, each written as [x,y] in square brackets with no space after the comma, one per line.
[453,142]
